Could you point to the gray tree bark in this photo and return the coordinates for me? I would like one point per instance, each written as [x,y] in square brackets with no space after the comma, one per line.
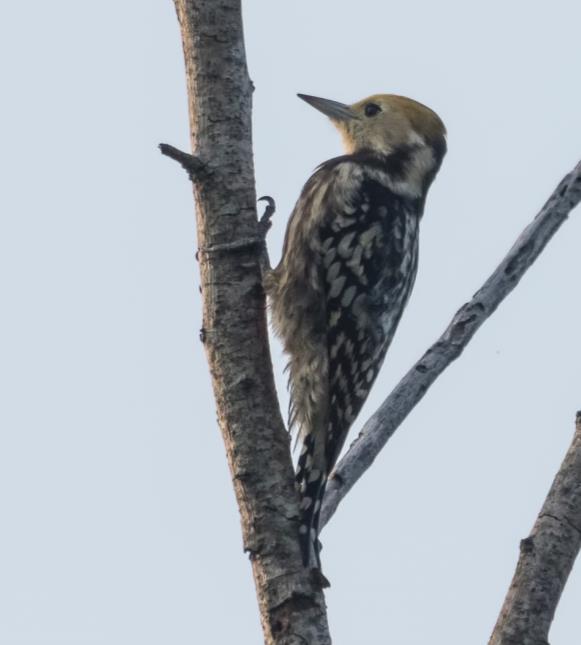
[291,603]
[292,606]
[546,558]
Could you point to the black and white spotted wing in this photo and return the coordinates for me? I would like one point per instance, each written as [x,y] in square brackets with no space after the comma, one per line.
[369,258]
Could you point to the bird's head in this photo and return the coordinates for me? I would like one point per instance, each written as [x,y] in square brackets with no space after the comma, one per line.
[383,123]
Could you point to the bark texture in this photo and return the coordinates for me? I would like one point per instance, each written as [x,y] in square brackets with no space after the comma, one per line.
[546,558]
[292,607]
[410,390]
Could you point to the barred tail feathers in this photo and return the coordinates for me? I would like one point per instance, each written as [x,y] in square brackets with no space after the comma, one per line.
[311,478]
[309,416]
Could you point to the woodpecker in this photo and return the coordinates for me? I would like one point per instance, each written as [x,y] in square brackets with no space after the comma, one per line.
[348,266]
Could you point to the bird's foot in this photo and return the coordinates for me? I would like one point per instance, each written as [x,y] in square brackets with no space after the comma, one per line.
[264,224]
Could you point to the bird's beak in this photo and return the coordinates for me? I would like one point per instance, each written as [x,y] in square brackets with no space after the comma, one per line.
[332,109]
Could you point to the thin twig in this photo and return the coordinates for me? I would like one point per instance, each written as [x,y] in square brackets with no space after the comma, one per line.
[410,390]
[546,558]
[191,164]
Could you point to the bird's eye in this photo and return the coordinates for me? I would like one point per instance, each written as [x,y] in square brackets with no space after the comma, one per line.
[371,109]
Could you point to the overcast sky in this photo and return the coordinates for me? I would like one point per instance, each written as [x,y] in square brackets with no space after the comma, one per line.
[118,520]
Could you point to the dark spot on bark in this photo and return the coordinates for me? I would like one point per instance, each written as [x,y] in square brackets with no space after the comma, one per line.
[337,478]
[277,627]
[477,307]
[246,383]
[286,611]
[460,326]
[256,291]
[527,545]
[319,580]
[421,368]
[203,335]
[522,254]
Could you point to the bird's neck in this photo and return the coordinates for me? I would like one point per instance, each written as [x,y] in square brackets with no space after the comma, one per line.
[407,170]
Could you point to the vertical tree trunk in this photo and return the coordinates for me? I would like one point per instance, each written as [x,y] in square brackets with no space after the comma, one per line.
[234,331]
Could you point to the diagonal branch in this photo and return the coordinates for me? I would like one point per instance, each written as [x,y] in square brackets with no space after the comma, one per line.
[410,390]
[546,558]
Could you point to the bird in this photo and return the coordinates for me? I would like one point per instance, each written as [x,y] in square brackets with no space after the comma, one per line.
[347,269]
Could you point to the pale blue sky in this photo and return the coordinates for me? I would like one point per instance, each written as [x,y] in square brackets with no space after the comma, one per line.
[119,524]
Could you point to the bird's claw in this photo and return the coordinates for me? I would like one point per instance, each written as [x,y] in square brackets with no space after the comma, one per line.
[264,223]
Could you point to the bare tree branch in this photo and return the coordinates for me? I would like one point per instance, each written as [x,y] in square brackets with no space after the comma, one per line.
[292,606]
[192,165]
[232,257]
[546,558]
[410,390]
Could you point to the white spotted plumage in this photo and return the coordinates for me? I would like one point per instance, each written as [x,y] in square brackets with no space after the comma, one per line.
[348,267]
